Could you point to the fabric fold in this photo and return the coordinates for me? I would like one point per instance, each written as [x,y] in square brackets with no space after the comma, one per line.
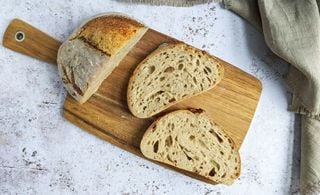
[292,31]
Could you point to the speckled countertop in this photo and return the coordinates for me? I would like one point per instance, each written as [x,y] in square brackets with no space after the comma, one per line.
[42,153]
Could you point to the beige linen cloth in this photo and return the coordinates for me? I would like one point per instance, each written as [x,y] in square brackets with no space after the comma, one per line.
[292,31]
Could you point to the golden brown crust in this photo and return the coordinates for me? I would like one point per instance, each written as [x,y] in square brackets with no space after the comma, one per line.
[94,49]
[109,33]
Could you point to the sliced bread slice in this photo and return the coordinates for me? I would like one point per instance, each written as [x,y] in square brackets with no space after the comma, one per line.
[171,73]
[189,140]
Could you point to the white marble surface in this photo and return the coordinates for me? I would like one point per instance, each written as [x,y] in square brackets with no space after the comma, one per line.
[42,153]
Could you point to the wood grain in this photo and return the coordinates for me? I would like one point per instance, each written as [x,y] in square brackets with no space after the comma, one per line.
[36,43]
[231,103]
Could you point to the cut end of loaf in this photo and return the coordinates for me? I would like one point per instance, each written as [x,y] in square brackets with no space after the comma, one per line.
[192,142]
[94,50]
[170,74]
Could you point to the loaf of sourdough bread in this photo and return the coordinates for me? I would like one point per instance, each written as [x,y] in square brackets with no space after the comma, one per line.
[189,140]
[94,49]
[171,73]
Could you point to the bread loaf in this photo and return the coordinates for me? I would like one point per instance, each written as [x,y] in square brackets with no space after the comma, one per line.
[171,73]
[94,50]
[189,140]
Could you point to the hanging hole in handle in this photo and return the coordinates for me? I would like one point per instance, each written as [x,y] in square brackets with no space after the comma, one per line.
[19,36]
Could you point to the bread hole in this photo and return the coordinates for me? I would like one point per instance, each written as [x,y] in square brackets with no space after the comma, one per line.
[144,108]
[180,67]
[172,126]
[208,69]
[195,80]
[157,99]
[201,86]
[188,157]
[213,172]
[209,80]
[151,69]
[236,168]
[162,78]
[156,147]
[168,141]
[191,137]
[199,56]
[160,92]
[224,175]
[196,158]
[172,100]
[222,153]
[192,125]
[176,138]
[220,140]
[185,85]
[169,158]
[229,140]
[170,69]
[184,95]
[198,62]
[205,71]
[168,85]
[201,167]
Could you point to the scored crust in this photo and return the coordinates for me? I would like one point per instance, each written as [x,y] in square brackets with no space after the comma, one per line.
[93,51]
[108,33]
[135,103]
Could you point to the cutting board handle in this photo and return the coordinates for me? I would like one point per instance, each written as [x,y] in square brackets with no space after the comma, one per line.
[26,39]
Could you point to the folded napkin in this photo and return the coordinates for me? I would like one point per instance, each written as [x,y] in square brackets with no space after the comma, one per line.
[292,31]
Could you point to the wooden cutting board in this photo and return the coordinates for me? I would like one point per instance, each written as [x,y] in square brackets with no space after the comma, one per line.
[231,103]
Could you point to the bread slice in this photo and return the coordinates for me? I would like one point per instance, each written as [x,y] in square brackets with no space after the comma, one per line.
[189,140]
[171,73]
[94,50]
